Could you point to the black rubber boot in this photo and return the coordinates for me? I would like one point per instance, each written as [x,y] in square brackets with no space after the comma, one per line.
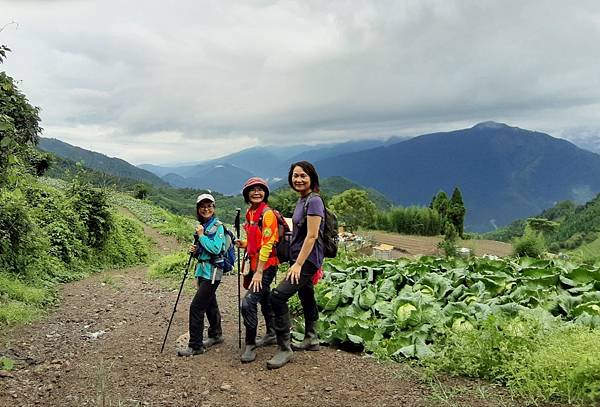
[311,340]
[285,352]
[270,338]
[191,351]
[207,343]
[250,350]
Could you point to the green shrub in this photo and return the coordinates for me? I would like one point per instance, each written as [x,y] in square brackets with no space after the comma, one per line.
[126,245]
[91,204]
[531,244]
[16,227]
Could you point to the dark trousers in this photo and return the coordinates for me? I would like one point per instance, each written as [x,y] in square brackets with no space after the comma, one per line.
[282,293]
[204,303]
[263,297]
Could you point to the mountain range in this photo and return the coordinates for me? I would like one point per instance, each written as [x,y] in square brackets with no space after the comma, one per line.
[503,172]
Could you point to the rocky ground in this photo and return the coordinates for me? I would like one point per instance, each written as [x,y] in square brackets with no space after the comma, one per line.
[101,346]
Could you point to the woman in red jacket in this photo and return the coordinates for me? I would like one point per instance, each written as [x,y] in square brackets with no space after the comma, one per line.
[261,235]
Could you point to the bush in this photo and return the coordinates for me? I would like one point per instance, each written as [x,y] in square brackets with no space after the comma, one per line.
[16,226]
[91,204]
[126,245]
[531,244]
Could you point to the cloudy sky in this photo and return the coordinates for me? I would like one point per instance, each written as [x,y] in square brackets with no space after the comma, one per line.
[160,82]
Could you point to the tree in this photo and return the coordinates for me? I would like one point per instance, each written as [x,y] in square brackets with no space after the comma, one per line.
[456,211]
[441,203]
[141,191]
[353,208]
[284,200]
[19,125]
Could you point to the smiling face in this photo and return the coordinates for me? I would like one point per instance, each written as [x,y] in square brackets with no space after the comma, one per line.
[256,195]
[206,209]
[301,181]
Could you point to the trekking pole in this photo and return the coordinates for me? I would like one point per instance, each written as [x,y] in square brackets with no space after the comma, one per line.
[237,231]
[187,269]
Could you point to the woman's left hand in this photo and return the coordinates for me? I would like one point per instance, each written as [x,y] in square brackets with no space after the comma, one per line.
[293,273]
[200,230]
[256,283]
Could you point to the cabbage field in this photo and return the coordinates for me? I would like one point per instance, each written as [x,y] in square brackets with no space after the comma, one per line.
[480,317]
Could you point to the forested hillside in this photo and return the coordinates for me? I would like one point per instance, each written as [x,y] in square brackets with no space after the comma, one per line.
[97,161]
[47,234]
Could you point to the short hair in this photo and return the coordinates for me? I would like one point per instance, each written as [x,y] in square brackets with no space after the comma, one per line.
[310,170]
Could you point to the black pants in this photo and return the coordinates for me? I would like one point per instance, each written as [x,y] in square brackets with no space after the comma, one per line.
[204,302]
[282,293]
[263,297]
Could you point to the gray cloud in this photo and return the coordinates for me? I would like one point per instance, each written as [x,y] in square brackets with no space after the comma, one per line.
[211,75]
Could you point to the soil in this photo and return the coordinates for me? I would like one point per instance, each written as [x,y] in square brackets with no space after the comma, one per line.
[101,346]
[415,246]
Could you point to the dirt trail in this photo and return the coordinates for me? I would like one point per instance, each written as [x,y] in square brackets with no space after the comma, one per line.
[101,347]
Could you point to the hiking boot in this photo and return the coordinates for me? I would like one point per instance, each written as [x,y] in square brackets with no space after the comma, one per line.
[249,354]
[207,343]
[269,338]
[191,351]
[311,340]
[284,354]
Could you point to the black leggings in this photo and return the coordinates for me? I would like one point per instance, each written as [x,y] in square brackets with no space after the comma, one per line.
[263,297]
[305,289]
[204,302]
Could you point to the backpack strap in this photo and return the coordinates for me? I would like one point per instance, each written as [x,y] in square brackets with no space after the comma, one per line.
[303,222]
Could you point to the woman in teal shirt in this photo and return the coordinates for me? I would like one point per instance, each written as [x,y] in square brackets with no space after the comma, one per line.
[210,242]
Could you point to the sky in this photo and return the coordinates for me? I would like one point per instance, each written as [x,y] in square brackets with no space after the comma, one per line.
[165,82]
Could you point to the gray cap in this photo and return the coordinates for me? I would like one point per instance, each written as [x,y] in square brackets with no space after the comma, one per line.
[205,197]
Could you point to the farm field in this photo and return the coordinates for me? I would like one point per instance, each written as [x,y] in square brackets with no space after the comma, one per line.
[414,246]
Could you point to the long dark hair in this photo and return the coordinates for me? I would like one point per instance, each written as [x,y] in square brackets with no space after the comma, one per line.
[309,169]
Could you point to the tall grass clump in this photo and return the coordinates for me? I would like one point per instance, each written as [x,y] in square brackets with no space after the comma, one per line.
[172,265]
[564,368]
[531,244]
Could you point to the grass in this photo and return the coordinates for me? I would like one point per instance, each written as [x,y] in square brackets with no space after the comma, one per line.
[14,312]
[17,290]
[6,364]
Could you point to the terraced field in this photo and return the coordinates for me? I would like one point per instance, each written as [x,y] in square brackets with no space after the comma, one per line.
[410,245]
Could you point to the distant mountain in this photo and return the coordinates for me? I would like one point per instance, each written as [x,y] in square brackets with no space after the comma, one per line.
[98,162]
[503,172]
[269,162]
[321,152]
[227,179]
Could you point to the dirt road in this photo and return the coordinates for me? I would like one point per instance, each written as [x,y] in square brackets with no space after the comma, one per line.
[101,347]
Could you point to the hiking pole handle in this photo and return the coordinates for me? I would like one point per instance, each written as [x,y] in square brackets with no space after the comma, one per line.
[187,269]
[237,231]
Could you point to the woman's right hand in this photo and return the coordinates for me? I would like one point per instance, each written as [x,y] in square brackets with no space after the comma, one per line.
[192,248]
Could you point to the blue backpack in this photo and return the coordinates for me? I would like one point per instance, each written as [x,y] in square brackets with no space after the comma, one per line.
[226,259]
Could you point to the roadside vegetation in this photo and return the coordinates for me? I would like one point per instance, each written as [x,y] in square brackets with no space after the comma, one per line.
[49,235]
[528,324]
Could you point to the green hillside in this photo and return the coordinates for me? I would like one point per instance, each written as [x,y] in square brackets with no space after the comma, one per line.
[336,185]
[97,161]
[578,226]
[180,201]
